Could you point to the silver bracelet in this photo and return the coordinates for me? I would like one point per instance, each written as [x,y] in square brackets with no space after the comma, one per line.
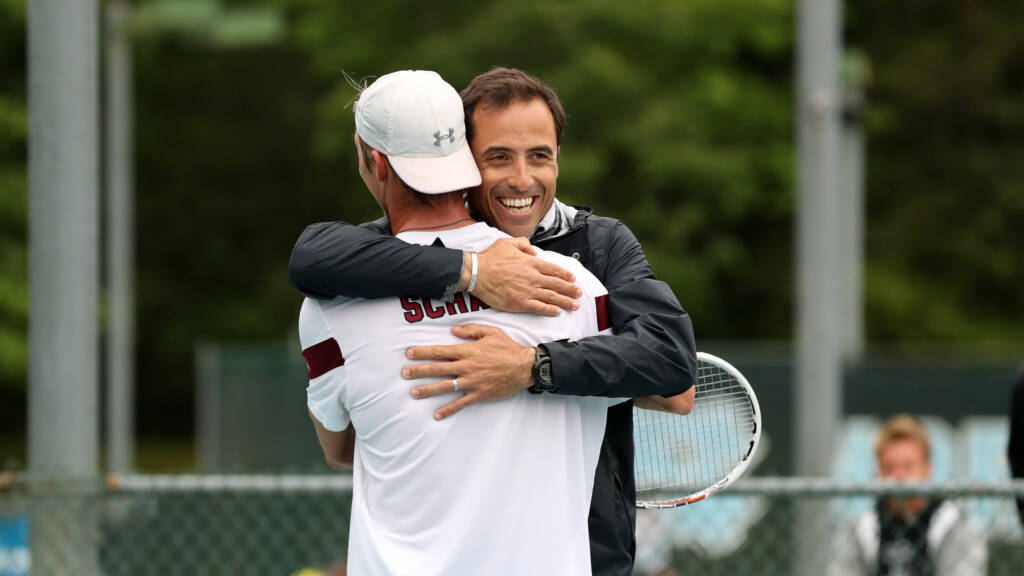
[472,273]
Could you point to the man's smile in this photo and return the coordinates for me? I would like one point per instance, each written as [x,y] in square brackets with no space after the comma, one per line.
[517,205]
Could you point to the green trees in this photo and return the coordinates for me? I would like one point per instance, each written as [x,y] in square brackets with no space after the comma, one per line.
[13,211]
[680,122]
[946,170]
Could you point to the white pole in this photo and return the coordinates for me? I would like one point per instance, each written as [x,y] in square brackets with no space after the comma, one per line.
[818,362]
[818,359]
[63,237]
[120,243]
[63,274]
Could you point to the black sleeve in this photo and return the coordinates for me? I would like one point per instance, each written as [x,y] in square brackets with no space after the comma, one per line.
[337,259]
[652,351]
[1015,448]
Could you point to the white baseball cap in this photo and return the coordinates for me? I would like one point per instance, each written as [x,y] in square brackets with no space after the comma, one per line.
[415,118]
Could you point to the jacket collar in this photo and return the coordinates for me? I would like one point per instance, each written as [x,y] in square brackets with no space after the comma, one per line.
[560,220]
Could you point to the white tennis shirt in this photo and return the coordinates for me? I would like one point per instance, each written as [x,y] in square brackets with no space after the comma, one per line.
[498,488]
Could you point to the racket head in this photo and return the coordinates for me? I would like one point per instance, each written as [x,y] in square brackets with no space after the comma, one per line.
[680,460]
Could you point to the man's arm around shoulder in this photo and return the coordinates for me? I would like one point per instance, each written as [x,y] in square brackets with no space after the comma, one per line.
[338,259]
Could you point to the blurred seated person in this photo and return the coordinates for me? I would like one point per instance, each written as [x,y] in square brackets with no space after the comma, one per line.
[908,536]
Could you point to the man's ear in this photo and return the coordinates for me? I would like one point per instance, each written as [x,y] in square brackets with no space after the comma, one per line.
[382,166]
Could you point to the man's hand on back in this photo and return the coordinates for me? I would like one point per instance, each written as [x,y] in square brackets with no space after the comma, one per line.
[511,279]
[492,367]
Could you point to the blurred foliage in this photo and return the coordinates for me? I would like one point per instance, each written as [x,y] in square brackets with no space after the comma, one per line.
[13,214]
[945,173]
[680,123]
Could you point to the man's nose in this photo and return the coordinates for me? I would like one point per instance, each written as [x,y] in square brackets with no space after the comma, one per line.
[519,179]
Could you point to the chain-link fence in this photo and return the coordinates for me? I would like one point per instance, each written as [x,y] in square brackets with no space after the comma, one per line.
[282,525]
[786,526]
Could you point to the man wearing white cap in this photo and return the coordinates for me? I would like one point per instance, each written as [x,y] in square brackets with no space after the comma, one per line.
[505,488]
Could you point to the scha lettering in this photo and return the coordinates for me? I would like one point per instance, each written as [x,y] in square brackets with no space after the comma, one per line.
[416,309]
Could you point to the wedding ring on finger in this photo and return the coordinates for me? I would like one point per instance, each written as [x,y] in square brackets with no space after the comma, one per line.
[455,384]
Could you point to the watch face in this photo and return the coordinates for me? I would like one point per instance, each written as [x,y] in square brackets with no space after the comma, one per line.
[545,372]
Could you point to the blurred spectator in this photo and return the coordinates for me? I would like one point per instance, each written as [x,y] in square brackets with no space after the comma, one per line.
[908,536]
[1015,448]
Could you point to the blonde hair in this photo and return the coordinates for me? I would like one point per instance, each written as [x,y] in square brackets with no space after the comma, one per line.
[903,427]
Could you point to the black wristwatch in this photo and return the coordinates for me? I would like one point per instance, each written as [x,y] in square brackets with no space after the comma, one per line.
[542,381]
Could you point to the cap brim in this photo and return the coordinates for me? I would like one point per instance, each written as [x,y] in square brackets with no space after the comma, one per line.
[438,175]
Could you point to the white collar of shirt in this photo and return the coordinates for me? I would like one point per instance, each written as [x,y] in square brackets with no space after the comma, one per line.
[548,220]
[557,221]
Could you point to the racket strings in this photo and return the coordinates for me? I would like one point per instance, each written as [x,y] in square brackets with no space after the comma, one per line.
[679,455]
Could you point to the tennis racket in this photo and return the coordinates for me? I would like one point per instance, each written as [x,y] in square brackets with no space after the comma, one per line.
[680,460]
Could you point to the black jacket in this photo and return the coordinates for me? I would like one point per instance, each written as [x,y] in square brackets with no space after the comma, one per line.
[651,352]
[1015,447]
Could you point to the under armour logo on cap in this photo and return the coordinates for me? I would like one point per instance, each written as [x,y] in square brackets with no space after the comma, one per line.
[450,136]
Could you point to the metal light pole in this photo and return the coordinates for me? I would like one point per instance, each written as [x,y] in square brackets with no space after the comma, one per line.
[63,236]
[818,358]
[818,363]
[63,274]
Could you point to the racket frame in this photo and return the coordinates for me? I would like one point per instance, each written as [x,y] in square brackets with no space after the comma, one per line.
[738,470]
